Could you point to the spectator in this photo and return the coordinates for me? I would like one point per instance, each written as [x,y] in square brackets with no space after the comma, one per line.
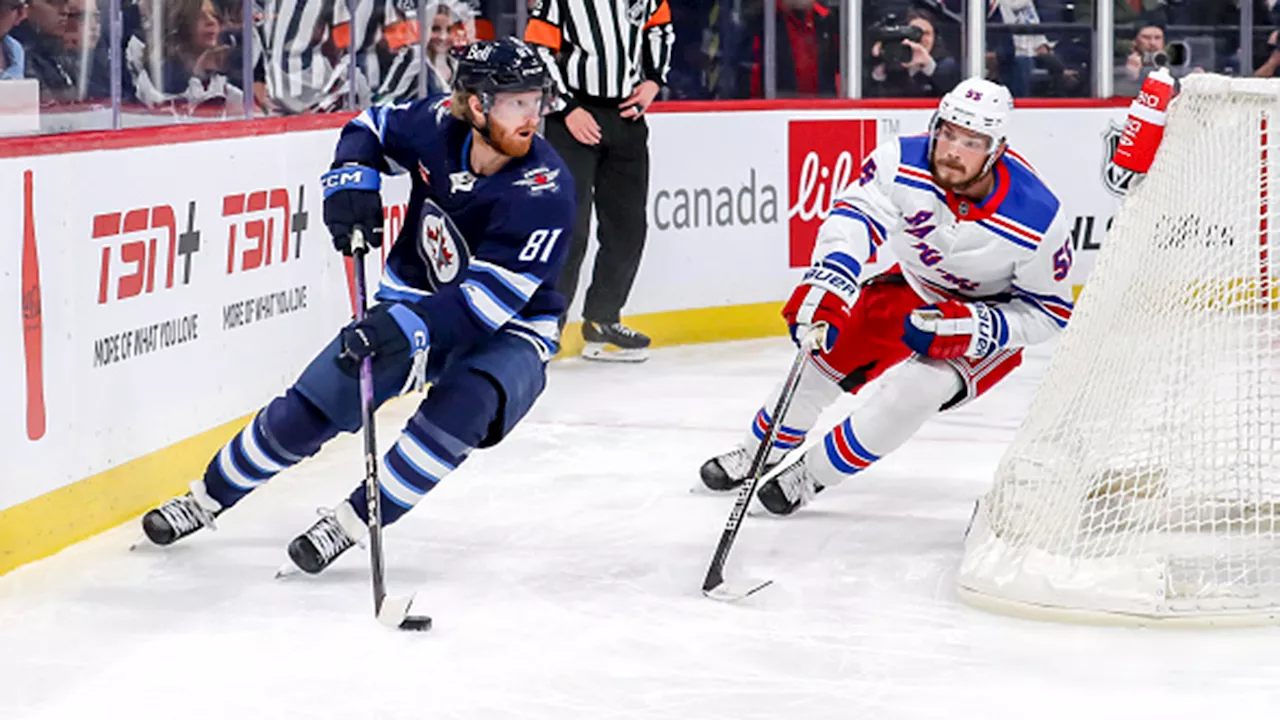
[12,58]
[193,71]
[453,26]
[79,26]
[192,47]
[85,57]
[1126,12]
[808,50]
[1266,70]
[1148,41]
[41,37]
[930,72]
[441,43]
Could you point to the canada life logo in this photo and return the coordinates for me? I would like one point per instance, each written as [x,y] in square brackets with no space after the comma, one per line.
[823,157]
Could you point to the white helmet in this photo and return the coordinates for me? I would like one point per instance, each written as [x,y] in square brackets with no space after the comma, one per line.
[978,105]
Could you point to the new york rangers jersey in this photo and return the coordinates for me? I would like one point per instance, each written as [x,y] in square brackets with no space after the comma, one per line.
[1011,250]
[478,254]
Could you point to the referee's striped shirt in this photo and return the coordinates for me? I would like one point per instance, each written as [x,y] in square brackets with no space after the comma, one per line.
[602,48]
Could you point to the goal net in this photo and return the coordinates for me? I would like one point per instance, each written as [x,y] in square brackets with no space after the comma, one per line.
[1144,484]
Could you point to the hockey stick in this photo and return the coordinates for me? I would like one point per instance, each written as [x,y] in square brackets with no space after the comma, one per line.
[714,586]
[390,611]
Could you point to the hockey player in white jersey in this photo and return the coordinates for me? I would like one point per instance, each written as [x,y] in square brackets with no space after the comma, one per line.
[974,256]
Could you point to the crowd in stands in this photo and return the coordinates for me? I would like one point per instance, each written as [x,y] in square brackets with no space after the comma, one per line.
[186,57]
[719,45]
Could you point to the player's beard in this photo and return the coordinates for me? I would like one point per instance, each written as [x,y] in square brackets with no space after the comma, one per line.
[951,176]
[512,142]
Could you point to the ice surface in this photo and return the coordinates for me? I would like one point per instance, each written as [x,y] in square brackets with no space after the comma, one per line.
[563,573]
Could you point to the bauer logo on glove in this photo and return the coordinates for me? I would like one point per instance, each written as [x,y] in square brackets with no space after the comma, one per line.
[952,329]
[823,298]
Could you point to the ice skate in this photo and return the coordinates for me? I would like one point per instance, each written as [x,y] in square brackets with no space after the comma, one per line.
[790,490]
[181,516]
[334,533]
[729,470]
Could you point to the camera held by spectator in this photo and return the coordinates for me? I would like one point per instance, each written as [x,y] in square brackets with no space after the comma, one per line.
[890,35]
[908,59]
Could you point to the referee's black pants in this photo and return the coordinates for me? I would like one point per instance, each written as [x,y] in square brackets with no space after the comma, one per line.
[615,174]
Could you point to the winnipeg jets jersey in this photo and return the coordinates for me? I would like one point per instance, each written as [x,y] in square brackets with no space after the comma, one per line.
[1011,250]
[478,254]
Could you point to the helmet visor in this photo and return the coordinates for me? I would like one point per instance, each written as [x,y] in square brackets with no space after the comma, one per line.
[513,109]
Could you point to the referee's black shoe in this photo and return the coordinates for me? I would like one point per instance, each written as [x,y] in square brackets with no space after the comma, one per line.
[613,342]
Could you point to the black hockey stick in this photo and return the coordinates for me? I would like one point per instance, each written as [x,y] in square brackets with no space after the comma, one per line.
[714,586]
[391,611]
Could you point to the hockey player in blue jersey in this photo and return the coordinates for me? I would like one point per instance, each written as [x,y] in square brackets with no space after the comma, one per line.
[467,300]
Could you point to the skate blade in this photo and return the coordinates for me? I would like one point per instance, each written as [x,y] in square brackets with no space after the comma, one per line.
[394,613]
[738,590]
[600,352]
[701,489]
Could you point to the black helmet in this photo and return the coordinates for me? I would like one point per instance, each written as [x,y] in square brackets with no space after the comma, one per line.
[487,67]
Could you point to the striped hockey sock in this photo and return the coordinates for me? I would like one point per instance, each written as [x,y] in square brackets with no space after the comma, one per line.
[420,459]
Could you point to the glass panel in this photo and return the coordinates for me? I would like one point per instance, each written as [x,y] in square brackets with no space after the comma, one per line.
[1041,48]
[306,47]
[404,76]
[716,52]
[1266,42]
[56,51]
[1187,37]
[182,62]
[911,52]
[806,50]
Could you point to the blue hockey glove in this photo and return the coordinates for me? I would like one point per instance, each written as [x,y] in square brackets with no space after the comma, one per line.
[351,200]
[952,329]
[388,329]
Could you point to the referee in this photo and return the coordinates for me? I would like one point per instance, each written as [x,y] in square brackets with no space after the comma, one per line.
[609,58]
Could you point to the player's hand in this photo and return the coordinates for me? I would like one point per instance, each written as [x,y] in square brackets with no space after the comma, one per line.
[351,200]
[638,101]
[583,126]
[953,329]
[388,329]
[825,297]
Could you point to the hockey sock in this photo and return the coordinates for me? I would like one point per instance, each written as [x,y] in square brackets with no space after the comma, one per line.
[452,421]
[905,399]
[287,430]
[815,392]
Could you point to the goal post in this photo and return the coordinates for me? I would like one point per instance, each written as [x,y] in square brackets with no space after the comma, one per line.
[1144,484]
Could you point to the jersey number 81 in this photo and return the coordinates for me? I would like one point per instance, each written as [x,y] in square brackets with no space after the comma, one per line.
[540,242]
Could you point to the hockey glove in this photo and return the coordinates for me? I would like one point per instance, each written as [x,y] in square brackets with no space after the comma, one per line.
[388,329]
[825,296]
[351,200]
[952,329]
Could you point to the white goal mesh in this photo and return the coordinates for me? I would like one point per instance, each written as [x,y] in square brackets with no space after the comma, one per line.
[1144,483]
